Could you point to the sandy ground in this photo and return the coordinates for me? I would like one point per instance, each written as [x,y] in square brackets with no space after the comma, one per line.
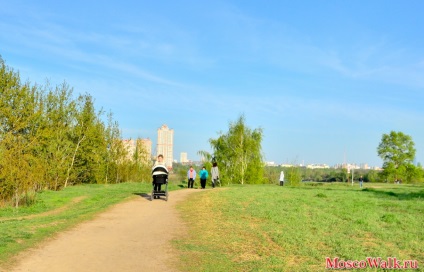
[131,236]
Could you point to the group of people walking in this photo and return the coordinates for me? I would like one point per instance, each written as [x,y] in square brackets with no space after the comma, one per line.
[191,176]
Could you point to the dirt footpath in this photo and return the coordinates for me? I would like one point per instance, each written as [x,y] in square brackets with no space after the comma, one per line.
[131,236]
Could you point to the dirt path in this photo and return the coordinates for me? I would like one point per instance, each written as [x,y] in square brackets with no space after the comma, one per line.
[131,236]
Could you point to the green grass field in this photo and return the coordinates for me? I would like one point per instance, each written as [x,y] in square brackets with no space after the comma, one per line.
[272,228]
[250,227]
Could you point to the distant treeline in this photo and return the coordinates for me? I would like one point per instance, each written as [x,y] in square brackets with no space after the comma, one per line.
[303,174]
[50,139]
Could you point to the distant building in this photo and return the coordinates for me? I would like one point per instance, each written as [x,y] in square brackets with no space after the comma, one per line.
[165,144]
[183,157]
[317,166]
[364,166]
[144,147]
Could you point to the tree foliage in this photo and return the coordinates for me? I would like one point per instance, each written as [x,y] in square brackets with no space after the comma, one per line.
[398,152]
[238,153]
[50,140]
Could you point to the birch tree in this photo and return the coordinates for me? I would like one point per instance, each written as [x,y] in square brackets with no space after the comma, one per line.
[238,153]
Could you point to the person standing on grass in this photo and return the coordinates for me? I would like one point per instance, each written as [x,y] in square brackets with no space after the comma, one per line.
[191,176]
[203,176]
[361,180]
[282,178]
[215,174]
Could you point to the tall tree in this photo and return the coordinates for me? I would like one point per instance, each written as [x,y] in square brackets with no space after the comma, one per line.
[397,152]
[90,141]
[239,153]
[58,124]
[20,112]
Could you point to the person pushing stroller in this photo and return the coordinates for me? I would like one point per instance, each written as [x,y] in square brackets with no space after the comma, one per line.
[160,176]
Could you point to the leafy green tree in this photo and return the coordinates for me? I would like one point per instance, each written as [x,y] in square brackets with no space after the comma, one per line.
[115,151]
[293,175]
[239,154]
[20,112]
[142,162]
[372,176]
[398,152]
[345,175]
[59,112]
[90,142]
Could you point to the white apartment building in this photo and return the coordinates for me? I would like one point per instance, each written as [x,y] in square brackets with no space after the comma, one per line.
[165,144]
[183,157]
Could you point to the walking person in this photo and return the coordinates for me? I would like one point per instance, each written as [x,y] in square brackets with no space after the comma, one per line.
[203,176]
[191,176]
[159,161]
[282,178]
[215,174]
[361,180]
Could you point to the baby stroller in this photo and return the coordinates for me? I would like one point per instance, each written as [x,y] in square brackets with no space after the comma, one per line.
[160,177]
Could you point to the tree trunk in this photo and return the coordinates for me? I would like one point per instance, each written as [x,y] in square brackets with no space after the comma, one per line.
[73,161]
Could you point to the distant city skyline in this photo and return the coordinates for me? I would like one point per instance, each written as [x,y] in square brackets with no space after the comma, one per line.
[167,136]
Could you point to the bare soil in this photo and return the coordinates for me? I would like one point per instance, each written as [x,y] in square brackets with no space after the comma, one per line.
[131,236]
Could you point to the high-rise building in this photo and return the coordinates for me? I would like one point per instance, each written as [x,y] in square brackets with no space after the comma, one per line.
[165,144]
[183,157]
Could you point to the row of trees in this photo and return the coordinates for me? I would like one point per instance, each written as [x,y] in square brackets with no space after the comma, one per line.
[298,174]
[238,152]
[50,140]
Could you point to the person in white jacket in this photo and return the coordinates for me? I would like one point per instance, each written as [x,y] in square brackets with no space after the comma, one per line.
[282,178]
[215,174]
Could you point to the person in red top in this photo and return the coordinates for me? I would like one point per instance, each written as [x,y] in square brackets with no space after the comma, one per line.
[191,176]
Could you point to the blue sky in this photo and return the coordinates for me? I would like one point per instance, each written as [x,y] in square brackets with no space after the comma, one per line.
[323,79]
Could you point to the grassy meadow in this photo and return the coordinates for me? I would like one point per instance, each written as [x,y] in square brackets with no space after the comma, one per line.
[250,227]
[273,228]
